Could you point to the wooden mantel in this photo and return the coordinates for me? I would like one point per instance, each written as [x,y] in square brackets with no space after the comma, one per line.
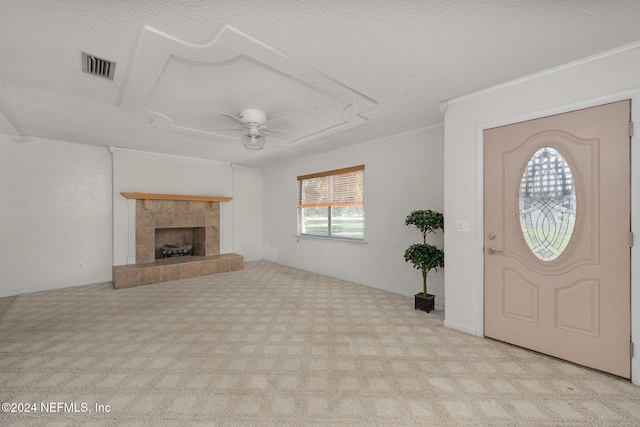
[179,197]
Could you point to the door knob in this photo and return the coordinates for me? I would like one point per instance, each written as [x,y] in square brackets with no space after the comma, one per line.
[493,250]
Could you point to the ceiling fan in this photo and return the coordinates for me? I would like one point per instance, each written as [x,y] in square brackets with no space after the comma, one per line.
[257,125]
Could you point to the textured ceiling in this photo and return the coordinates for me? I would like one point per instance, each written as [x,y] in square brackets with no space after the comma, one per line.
[342,72]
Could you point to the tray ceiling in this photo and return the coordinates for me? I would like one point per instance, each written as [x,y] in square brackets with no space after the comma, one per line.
[180,85]
[341,73]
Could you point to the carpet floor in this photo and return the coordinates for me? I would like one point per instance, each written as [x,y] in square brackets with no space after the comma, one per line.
[271,345]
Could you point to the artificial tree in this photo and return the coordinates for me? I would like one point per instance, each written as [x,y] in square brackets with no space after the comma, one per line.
[424,256]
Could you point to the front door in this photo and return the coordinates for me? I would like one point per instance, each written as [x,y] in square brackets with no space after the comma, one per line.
[557,236]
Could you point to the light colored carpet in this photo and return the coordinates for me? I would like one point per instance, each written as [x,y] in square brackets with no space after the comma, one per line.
[5,302]
[271,345]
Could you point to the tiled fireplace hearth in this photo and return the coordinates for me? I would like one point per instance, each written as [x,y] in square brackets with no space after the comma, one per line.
[192,221]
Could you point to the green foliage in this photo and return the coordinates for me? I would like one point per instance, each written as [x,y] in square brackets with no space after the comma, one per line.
[423,256]
[427,221]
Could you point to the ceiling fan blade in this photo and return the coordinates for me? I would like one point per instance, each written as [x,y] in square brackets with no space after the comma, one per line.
[235,119]
[209,129]
[275,132]
[274,123]
[278,136]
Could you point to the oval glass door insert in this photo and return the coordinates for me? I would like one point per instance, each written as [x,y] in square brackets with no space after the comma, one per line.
[547,204]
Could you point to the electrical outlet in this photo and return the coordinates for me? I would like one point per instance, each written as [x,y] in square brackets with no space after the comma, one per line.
[81,264]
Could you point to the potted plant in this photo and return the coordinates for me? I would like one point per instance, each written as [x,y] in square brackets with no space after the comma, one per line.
[423,256]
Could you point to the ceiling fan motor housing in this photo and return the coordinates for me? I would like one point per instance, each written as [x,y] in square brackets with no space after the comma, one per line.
[253,116]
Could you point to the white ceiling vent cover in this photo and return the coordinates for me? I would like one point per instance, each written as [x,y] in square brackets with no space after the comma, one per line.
[98,66]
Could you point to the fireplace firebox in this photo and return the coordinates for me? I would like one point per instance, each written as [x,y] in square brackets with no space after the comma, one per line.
[179,241]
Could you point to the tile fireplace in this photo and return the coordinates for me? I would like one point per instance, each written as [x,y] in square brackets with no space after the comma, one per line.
[182,222]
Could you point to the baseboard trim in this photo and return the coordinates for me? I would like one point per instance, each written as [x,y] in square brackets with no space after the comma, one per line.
[461,328]
[54,287]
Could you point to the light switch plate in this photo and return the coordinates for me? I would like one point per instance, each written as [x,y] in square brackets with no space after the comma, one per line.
[462,226]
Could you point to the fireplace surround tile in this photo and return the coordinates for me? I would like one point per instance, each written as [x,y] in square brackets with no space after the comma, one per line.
[129,276]
[222,265]
[144,234]
[207,267]
[236,263]
[188,270]
[198,206]
[176,214]
[126,278]
[170,273]
[203,217]
[212,219]
[213,247]
[150,275]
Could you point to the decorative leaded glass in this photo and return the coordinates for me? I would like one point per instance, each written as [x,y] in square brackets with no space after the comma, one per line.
[547,204]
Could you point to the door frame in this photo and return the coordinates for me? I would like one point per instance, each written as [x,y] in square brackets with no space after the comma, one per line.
[634,96]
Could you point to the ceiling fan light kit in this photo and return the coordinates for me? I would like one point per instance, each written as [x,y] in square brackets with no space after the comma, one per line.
[253,140]
[256,124]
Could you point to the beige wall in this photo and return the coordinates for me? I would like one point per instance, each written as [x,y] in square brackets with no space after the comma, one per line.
[609,77]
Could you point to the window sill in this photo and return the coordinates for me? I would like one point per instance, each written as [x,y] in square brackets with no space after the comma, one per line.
[330,239]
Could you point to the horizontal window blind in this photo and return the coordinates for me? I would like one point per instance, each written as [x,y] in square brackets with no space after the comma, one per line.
[337,188]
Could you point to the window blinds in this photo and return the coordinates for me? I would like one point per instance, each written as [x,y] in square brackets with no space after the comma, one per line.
[337,188]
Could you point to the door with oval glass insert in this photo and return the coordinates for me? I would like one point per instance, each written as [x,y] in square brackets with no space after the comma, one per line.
[557,224]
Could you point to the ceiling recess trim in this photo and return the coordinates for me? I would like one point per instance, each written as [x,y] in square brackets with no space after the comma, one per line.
[156,49]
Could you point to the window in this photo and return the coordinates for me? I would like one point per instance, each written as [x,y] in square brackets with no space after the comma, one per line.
[548,204]
[331,204]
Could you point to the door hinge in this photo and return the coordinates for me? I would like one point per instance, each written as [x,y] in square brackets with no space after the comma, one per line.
[631,348]
[630,129]
[631,239]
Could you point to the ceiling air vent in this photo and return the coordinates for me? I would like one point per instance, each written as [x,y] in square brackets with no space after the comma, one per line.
[98,66]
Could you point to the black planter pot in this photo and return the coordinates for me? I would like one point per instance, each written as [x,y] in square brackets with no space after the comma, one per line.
[424,303]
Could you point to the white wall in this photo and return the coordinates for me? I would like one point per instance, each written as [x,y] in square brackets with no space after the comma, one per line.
[60,204]
[136,171]
[597,80]
[247,213]
[55,212]
[402,173]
